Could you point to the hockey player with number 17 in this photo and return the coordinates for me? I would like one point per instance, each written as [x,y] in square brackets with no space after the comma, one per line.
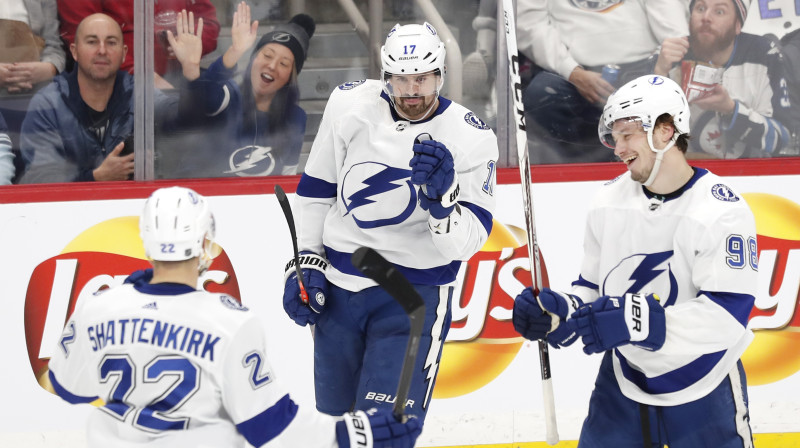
[665,289]
[176,366]
[411,174]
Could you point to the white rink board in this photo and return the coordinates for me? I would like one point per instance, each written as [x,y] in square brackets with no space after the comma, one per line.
[252,231]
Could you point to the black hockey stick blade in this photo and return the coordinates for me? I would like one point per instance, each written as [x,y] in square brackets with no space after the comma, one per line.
[287,212]
[374,266]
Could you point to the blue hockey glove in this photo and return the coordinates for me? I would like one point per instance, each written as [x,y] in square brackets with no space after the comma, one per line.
[313,268]
[376,429]
[610,322]
[545,316]
[433,169]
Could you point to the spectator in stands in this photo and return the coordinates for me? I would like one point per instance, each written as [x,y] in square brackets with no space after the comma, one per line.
[30,49]
[734,82]
[76,126]
[572,41]
[7,169]
[256,128]
[165,18]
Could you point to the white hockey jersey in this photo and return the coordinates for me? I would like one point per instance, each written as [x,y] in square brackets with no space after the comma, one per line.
[696,248]
[357,191]
[559,35]
[178,367]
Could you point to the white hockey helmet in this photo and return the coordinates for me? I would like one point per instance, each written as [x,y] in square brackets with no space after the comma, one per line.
[644,100]
[411,50]
[177,224]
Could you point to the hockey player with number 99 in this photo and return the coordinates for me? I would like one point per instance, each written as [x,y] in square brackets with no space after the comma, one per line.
[175,366]
[665,290]
[399,168]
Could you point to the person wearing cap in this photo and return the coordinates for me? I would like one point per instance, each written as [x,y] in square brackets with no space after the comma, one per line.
[400,168]
[254,128]
[744,110]
[665,289]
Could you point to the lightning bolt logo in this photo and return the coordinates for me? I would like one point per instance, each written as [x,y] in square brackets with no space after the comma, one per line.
[434,352]
[249,157]
[645,276]
[646,271]
[368,183]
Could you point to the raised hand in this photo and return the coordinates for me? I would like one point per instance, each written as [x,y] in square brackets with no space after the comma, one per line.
[673,49]
[243,34]
[187,45]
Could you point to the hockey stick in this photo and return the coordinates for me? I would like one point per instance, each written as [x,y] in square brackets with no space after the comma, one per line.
[287,212]
[525,182]
[374,266]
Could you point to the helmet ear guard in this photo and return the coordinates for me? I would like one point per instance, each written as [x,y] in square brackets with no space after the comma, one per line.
[176,225]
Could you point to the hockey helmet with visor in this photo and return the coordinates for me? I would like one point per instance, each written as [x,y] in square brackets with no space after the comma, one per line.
[412,62]
[642,101]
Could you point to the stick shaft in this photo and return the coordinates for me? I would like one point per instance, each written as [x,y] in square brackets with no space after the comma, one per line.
[527,198]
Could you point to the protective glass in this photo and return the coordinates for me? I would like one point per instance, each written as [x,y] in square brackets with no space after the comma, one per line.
[620,129]
[405,86]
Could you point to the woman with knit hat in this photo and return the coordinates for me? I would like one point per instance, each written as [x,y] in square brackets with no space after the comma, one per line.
[254,128]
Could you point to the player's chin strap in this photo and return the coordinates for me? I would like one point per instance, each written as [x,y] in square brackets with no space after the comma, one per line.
[659,155]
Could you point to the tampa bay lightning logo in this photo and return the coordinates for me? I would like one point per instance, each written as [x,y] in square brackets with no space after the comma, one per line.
[656,80]
[650,273]
[378,195]
[474,121]
[595,5]
[232,303]
[252,160]
[723,193]
[351,84]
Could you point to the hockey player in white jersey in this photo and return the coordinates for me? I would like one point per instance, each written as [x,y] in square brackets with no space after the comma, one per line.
[411,174]
[177,366]
[665,289]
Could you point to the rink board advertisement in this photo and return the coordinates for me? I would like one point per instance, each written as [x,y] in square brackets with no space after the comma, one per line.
[488,391]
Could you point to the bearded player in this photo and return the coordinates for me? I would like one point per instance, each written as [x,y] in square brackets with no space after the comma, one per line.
[397,167]
[177,366]
[665,290]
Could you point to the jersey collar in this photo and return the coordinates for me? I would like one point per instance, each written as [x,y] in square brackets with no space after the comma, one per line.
[698,173]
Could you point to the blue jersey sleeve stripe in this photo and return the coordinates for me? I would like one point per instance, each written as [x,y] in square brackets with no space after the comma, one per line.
[585,283]
[673,381]
[267,425]
[68,396]
[438,275]
[312,187]
[739,305]
[482,214]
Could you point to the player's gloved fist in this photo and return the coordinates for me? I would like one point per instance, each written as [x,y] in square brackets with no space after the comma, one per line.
[313,268]
[610,322]
[544,317]
[376,429]
[433,169]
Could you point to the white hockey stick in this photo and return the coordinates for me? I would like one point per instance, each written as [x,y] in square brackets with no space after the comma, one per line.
[525,182]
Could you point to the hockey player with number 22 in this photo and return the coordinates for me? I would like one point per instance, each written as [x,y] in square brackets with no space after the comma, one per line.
[411,174]
[177,366]
[665,289]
